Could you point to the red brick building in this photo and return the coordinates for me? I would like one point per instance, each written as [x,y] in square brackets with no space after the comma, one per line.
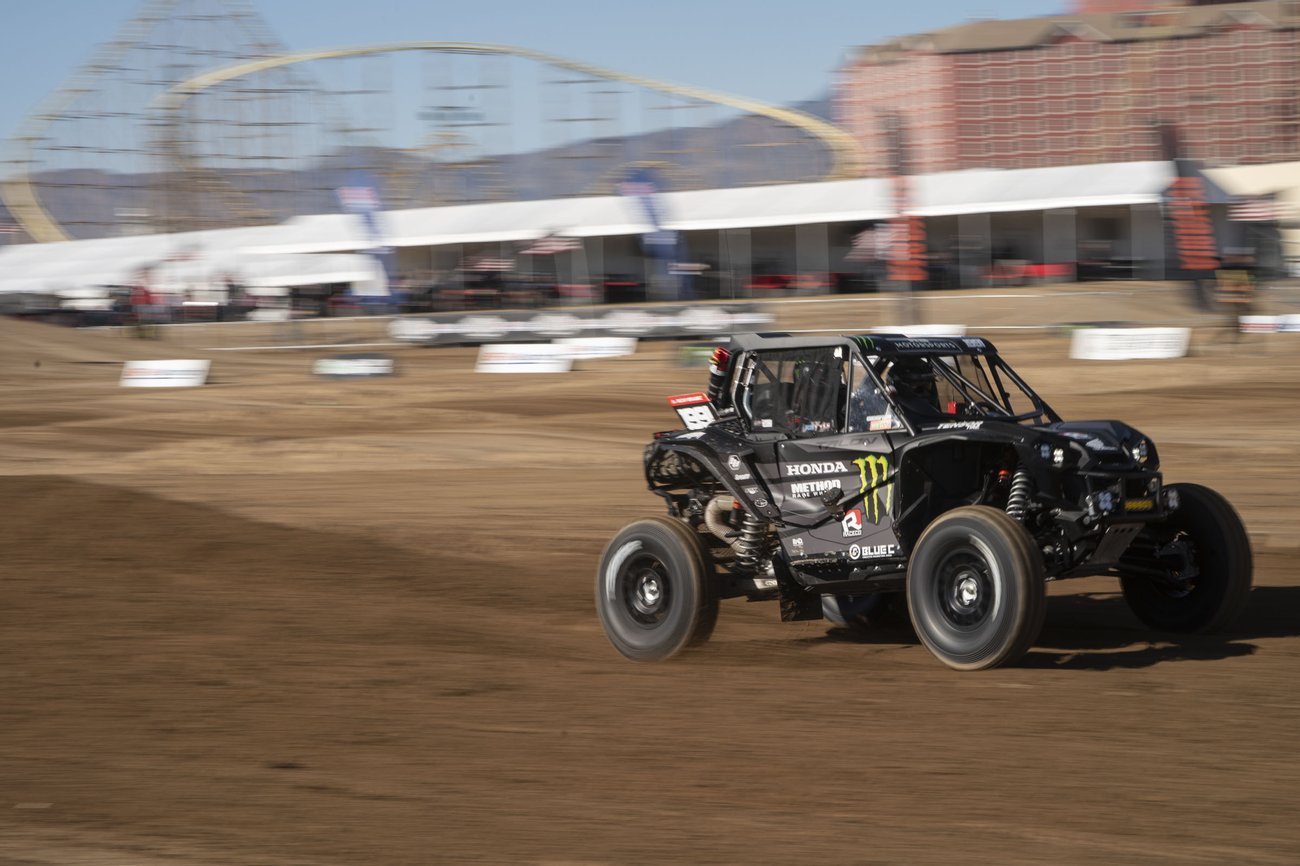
[1084,88]
[1088,7]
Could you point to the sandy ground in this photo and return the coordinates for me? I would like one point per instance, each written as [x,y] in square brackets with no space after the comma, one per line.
[282,620]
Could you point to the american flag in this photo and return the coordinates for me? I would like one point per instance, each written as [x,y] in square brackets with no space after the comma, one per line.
[492,263]
[1257,208]
[550,245]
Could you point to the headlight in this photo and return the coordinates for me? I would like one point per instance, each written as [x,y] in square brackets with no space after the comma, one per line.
[1141,452]
[1056,455]
[1101,502]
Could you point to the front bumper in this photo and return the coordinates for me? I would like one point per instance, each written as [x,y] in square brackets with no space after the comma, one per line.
[1111,498]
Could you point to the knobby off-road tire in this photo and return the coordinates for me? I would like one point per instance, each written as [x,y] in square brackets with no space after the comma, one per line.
[1221,553]
[655,591]
[975,589]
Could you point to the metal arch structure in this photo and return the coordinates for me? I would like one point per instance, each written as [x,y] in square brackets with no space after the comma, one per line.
[846,161]
[844,152]
[168,113]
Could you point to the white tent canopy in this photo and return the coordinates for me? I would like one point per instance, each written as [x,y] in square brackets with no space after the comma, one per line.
[243,251]
[978,191]
[95,272]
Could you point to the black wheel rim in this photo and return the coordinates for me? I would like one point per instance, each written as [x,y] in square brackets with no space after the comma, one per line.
[964,592]
[645,590]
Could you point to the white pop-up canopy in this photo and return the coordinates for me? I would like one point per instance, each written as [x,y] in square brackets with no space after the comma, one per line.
[242,251]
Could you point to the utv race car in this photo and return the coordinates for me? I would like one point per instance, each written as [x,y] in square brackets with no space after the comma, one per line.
[832,474]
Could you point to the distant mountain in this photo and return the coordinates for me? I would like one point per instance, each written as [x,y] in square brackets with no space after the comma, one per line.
[743,151]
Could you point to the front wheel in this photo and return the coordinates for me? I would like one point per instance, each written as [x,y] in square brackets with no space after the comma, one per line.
[1192,571]
[975,589]
[655,592]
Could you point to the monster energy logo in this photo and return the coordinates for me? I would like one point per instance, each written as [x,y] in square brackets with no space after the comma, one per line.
[879,468]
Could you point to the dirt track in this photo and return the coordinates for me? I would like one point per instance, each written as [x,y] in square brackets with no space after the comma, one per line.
[280,620]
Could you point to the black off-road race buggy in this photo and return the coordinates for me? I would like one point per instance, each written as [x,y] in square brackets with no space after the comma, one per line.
[840,476]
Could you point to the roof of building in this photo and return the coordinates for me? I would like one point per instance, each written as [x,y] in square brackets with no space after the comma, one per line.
[1164,23]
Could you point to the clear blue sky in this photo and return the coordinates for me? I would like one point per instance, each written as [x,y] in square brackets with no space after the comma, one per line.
[728,45]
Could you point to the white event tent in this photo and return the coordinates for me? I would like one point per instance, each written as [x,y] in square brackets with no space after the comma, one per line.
[325,248]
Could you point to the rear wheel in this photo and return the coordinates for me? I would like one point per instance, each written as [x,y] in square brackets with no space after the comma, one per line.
[1192,571]
[655,592]
[975,589]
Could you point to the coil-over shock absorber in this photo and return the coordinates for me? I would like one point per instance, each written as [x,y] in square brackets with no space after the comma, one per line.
[1018,498]
[749,546]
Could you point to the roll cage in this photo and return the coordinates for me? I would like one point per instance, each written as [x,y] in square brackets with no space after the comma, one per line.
[802,387]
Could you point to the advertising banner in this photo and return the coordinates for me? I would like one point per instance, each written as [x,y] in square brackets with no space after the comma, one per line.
[1126,344]
[360,196]
[907,245]
[164,374]
[1187,215]
[355,366]
[524,358]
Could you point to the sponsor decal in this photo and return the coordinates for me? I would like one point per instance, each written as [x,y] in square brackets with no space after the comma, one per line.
[752,491]
[877,551]
[961,425]
[742,476]
[815,468]
[851,524]
[921,344]
[973,342]
[688,399]
[797,543]
[884,423]
[694,434]
[878,467]
[760,503]
[733,463]
[819,560]
[809,489]
[1139,504]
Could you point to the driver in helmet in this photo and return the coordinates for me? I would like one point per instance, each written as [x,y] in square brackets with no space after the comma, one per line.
[911,382]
